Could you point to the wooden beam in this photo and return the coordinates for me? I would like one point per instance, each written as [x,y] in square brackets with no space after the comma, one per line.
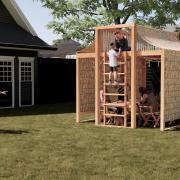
[172,127]
[150,53]
[162,120]
[97,76]
[115,26]
[133,75]
[77,90]
[85,55]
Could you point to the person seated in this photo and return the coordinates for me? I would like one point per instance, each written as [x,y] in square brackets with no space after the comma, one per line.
[148,106]
[121,41]
[148,99]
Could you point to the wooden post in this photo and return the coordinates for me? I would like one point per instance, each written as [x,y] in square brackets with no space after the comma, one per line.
[133,75]
[77,90]
[97,77]
[162,120]
[104,86]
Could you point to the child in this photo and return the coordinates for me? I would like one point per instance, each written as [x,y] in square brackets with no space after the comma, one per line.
[113,55]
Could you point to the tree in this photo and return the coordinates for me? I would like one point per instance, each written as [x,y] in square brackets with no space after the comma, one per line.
[76,19]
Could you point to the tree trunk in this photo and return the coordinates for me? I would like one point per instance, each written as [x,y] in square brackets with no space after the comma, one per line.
[117,20]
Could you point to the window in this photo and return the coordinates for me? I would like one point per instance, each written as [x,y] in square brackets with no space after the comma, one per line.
[5,71]
[26,71]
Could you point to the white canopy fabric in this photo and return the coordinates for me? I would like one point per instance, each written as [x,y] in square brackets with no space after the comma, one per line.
[159,38]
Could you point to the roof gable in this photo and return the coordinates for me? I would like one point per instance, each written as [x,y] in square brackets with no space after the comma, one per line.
[15,30]
[18,16]
[5,16]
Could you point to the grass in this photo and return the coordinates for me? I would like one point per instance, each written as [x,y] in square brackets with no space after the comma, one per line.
[45,143]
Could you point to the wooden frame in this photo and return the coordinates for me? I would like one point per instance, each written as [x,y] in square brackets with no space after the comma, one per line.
[162,122]
[97,53]
[133,76]
[77,91]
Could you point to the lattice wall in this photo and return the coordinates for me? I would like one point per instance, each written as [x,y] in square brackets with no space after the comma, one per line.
[172,85]
[87,83]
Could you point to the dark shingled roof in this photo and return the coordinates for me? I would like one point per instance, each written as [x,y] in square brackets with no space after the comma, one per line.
[66,47]
[12,35]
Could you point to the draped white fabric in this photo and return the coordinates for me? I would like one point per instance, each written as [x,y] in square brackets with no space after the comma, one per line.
[159,38]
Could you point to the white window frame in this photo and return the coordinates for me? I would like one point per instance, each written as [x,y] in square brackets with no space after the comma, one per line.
[9,59]
[26,59]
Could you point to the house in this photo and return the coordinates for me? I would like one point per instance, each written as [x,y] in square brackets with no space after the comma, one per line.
[57,73]
[150,49]
[66,49]
[19,46]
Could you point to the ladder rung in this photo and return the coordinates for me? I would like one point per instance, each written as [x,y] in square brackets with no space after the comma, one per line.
[116,115]
[115,104]
[112,84]
[117,73]
[113,94]
[118,63]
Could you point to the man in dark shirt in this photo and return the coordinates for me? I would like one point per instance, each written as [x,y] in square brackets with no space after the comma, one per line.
[121,42]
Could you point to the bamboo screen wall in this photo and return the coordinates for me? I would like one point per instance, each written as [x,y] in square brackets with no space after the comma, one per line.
[87,82]
[171,85]
[107,36]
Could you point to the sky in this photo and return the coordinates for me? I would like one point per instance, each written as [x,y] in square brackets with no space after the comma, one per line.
[38,17]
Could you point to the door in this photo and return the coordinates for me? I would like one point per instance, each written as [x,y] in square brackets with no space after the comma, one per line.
[7,81]
[26,81]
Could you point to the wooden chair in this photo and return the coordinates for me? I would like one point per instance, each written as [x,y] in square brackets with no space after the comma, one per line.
[147,112]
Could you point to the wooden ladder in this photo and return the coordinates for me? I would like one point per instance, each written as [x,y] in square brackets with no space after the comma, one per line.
[124,94]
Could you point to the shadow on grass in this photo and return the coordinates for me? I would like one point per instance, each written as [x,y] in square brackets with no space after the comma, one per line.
[58,108]
[13,132]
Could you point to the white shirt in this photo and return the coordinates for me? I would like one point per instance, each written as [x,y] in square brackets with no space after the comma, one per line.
[113,58]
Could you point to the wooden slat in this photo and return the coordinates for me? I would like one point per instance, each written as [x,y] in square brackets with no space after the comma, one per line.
[117,73]
[107,63]
[125,92]
[114,115]
[112,84]
[111,126]
[172,127]
[150,53]
[133,75]
[115,104]
[77,91]
[97,76]
[113,94]
[162,120]
[114,26]
[104,87]
[85,55]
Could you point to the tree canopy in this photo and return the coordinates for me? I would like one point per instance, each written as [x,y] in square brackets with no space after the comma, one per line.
[76,19]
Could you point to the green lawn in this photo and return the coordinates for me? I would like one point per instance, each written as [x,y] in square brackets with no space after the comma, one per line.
[45,143]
